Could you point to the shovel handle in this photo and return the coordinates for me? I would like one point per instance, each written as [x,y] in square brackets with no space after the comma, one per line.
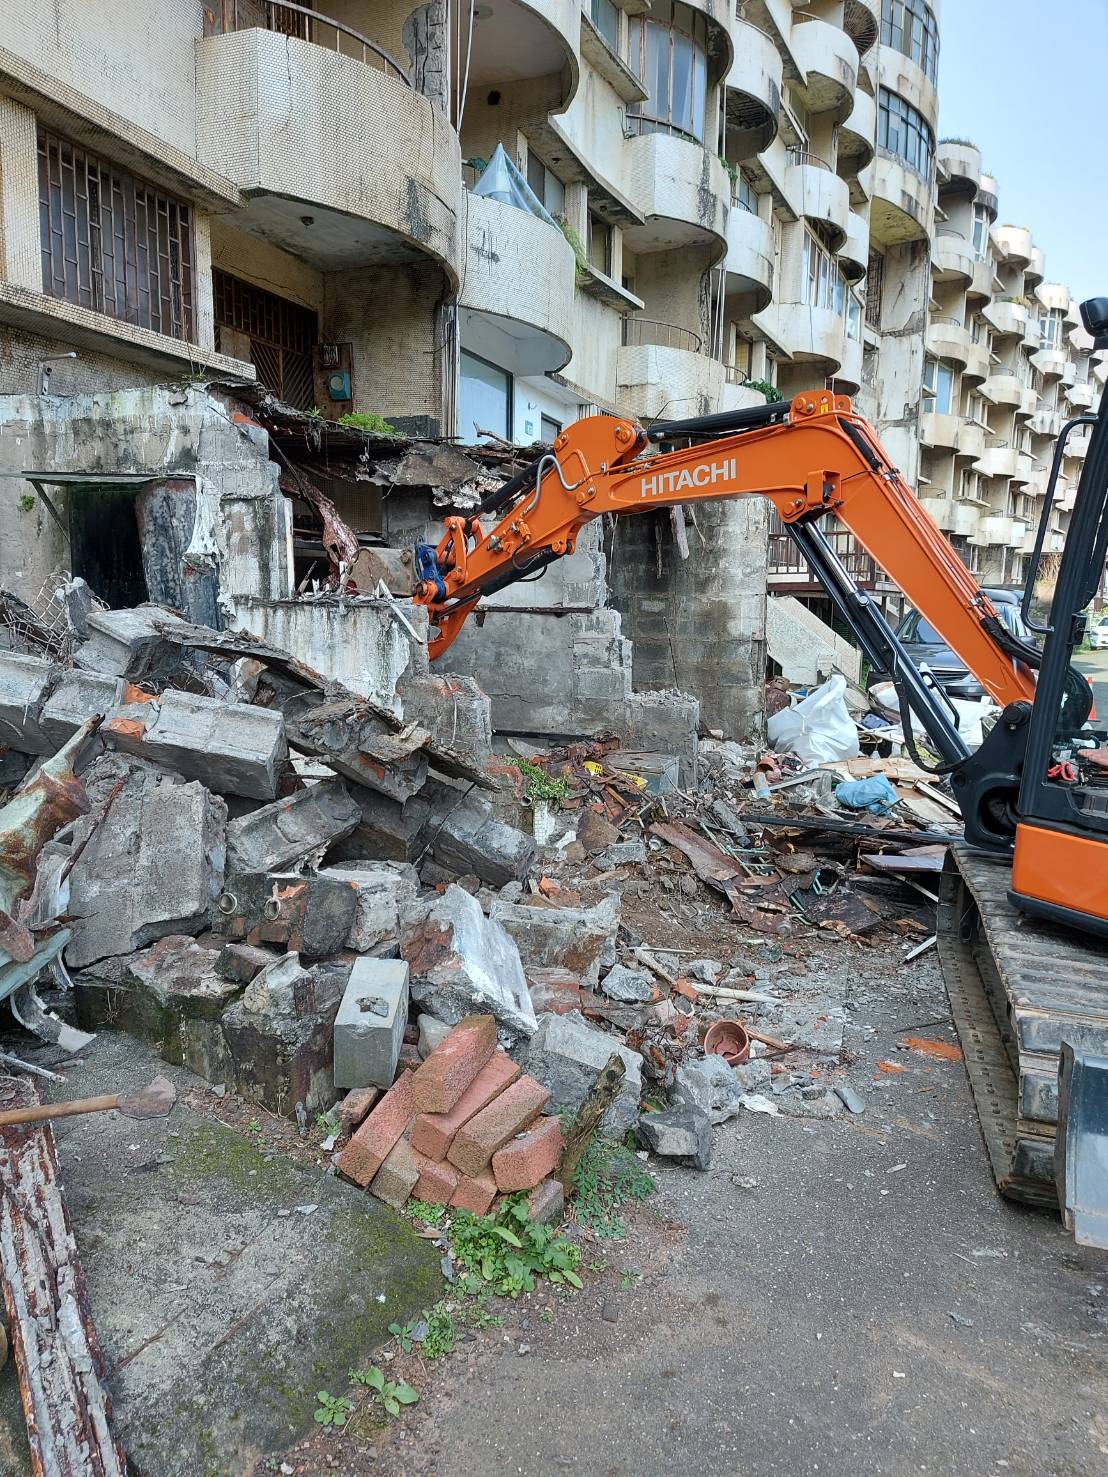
[59,1110]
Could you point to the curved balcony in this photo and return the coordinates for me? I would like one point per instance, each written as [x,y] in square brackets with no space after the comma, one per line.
[996,530]
[978,365]
[848,379]
[1045,423]
[283,117]
[1080,397]
[981,284]
[754,87]
[1008,319]
[1051,363]
[960,160]
[951,516]
[987,194]
[854,252]
[1016,244]
[1031,336]
[828,61]
[1069,373]
[971,440]
[939,432]
[1033,272]
[952,258]
[902,200]
[858,134]
[721,50]
[669,377]
[683,191]
[809,335]
[948,339]
[820,195]
[736,394]
[1029,403]
[749,260]
[1077,445]
[1002,460]
[862,23]
[528,41]
[518,290]
[1079,340]
[1054,295]
[1004,389]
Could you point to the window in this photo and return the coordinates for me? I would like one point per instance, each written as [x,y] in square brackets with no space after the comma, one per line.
[112,242]
[281,336]
[1050,328]
[743,365]
[818,286]
[546,184]
[550,429]
[938,383]
[981,233]
[903,131]
[598,248]
[854,312]
[485,399]
[669,56]
[743,194]
[875,277]
[909,27]
[605,17]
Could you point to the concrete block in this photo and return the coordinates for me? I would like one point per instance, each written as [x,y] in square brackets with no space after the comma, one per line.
[632,986]
[437,1183]
[153,866]
[467,838]
[464,964]
[312,915]
[128,643]
[380,891]
[373,1142]
[25,686]
[666,722]
[529,1158]
[280,1034]
[575,939]
[455,711]
[443,1078]
[241,962]
[710,1085]
[509,1113]
[233,748]
[285,832]
[398,1176]
[684,1134]
[433,1133]
[355,1107]
[77,696]
[565,1055]
[387,830]
[369,1027]
[361,746]
[431,1032]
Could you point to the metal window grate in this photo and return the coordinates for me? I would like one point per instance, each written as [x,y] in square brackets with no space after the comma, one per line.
[875,279]
[282,336]
[113,243]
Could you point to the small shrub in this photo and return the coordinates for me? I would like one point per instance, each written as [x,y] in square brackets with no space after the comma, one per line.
[368,421]
[607,1176]
[332,1410]
[540,785]
[390,1394]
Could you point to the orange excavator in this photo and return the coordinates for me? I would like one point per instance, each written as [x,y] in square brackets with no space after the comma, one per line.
[1034,796]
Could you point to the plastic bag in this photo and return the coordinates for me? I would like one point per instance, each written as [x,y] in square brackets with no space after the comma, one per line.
[874,794]
[819,729]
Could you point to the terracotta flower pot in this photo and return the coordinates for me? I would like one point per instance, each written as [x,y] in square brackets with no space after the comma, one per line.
[729,1040]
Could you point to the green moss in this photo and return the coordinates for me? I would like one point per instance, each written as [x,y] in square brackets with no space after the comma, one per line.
[208,1151]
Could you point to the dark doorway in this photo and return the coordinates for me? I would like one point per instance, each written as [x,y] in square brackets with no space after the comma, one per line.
[104,543]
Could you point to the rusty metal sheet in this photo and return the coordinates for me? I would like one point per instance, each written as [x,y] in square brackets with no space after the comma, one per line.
[709,863]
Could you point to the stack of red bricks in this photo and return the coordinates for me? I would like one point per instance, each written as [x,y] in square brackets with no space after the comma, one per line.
[460,1129]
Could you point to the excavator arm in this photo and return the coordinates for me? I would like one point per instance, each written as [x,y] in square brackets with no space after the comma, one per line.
[810,457]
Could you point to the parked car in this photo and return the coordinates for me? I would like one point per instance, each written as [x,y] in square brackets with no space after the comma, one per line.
[1098,633]
[925,646]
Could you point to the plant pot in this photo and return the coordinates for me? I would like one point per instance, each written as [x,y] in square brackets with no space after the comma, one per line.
[729,1040]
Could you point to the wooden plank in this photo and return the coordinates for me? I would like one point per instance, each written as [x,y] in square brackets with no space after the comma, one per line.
[58,1360]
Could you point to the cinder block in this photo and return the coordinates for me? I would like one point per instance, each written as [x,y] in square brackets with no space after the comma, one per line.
[433,1133]
[508,1114]
[25,684]
[129,643]
[369,1027]
[450,1069]
[529,1157]
[232,748]
[373,1142]
[77,697]
[397,1178]
[475,1192]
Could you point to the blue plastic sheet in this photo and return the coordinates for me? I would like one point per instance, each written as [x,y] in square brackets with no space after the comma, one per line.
[875,795]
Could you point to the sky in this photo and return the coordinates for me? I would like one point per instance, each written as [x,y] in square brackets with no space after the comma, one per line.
[1025,82]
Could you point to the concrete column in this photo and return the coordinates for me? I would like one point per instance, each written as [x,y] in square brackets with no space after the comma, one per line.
[20,249]
[577,209]
[203,299]
[427,38]
[617,254]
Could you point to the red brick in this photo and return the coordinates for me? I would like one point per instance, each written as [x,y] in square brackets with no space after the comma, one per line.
[515,1109]
[370,1146]
[437,1182]
[408,1060]
[434,1132]
[475,1192]
[529,1158]
[355,1106]
[442,1079]
[547,1202]
[398,1176]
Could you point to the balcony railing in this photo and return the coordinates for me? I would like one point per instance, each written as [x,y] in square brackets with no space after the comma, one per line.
[785,558]
[638,332]
[950,231]
[804,156]
[224,16]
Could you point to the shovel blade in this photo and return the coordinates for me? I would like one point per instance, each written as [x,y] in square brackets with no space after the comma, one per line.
[155,1100]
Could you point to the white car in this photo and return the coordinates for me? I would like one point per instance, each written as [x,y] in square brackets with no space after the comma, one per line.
[1098,634]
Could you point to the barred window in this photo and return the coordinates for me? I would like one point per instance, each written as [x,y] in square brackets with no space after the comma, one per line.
[909,27]
[112,242]
[282,336]
[903,131]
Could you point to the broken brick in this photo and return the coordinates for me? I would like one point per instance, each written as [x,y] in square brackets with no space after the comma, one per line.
[529,1158]
[547,1202]
[475,1192]
[508,1114]
[437,1183]
[354,1108]
[443,1078]
[434,1132]
[371,1145]
[396,1179]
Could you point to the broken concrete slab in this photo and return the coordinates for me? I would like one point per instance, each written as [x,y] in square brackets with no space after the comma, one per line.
[464,964]
[233,748]
[279,1033]
[25,685]
[241,962]
[684,1134]
[455,710]
[386,829]
[565,1055]
[369,1027]
[381,890]
[622,854]
[289,830]
[632,986]
[356,741]
[130,643]
[576,939]
[153,865]
[312,915]
[77,696]
[467,838]
[711,1085]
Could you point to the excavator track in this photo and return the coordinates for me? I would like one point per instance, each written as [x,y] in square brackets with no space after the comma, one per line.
[1017,989]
